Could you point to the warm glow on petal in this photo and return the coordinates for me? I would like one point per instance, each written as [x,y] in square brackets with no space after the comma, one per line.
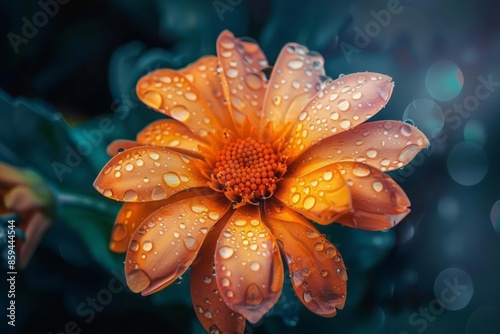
[378,202]
[148,173]
[118,146]
[340,106]
[172,94]
[296,78]
[167,241]
[248,266]
[320,195]
[316,268]
[210,308]
[203,75]
[174,135]
[386,145]
[243,82]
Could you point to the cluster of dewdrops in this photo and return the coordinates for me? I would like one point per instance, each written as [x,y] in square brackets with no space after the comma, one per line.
[249,168]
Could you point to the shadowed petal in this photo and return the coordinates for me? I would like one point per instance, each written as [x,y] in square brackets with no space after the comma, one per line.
[148,173]
[316,267]
[340,106]
[243,82]
[210,308]
[320,195]
[174,135]
[167,241]
[170,93]
[378,202]
[248,266]
[386,145]
[296,78]
[34,231]
[203,75]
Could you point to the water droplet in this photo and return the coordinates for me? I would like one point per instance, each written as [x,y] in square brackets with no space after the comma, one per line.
[207,279]
[319,246]
[171,179]
[119,232]
[226,252]
[336,258]
[307,296]
[180,113]
[361,170]
[312,234]
[139,162]
[130,195]
[232,73]
[333,96]
[137,280]
[276,100]
[330,252]
[342,274]
[297,278]
[147,246]
[385,162]
[408,153]
[309,202]
[356,95]
[190,96]
[225,282]
[199,208]
[254,266]
[213,215]
[253,81]
[240,222]
[377,186]
[324,273]
[371,154]
[154,155]
[152,99]
[229,294]
[295,198]
[253,296]
[107,192]
[214,329]
[295,64]
[190,243]
[134,246]
[158,193]
[345,124]
[406,130]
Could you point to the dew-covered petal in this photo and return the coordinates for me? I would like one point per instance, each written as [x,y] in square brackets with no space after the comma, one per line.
[203,75]
[174,135]
[118,146]
[340,106]
[320,195]
[241,62]
[168,240]
[148,173]
[317,270]
[378,202]
[295,79]
[386,145]
[248,265]
[210,308]
[171,93]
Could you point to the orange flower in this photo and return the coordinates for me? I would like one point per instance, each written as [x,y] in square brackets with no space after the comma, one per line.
[233,180]
[24,193]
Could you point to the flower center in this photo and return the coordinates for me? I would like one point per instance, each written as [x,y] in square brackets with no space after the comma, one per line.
[247,170]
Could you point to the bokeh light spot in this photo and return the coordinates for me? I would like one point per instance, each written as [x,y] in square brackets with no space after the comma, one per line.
[448,208]
[475,132]
[444,80]
[495,216]
[484,320]
[467,163]
[453,288]
[426,115]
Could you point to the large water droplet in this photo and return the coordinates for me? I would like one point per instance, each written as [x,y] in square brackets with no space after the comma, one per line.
[226,252]
[147,246]
[307,296]
[309,202]
[180,113]
[253,296]
[158,193]
[152,99]
[171,179]
[253,81]
[130,195]
[190,243]
[361,170]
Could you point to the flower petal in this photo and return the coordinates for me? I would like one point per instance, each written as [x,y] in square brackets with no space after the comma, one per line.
[343,104]
[169,92]
[174,135]
[386,145]
[211,310]
[118,146]
[148,173]
[378,202]
[241,63]
[127,221]
[35,229]
[296,78]
[203,75]
[249,270]
[317,270]
[167,241]
[321,195]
